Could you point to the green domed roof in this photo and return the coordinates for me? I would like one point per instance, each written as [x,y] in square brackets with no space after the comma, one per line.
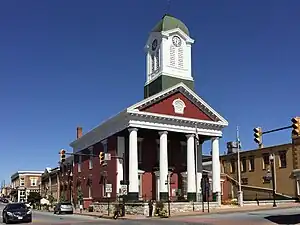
[168,23]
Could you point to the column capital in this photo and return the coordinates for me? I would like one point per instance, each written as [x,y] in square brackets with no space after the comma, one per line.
[162,132]
[132,129]
[190,135]
[215,138]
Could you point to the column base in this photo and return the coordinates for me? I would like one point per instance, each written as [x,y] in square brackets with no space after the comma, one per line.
[163,196]
[191,196]
[132,196]
[217,197]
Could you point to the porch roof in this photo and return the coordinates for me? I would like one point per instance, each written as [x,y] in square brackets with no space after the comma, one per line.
[133,117]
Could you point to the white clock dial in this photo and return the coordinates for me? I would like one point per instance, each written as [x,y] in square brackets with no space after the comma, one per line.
[176,41]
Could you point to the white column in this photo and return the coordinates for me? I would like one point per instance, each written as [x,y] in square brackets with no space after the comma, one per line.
[216,170]
[19,195]
[133,162]
[163,163]
[121,151]
[191,173]
[199,171]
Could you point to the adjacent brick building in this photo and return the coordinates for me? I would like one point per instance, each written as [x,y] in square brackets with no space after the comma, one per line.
[50,183]
[24,182]
[255,165]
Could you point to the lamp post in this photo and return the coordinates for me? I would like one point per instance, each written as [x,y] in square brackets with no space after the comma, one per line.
[271,158]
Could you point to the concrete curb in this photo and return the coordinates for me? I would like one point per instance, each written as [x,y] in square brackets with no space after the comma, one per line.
[236,210]
[232,210]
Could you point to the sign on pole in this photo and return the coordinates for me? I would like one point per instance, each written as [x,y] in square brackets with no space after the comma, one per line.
[107,156]
[123,189]
[108,188]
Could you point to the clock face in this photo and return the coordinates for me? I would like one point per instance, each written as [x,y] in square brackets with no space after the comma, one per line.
[154,45]
[176,41]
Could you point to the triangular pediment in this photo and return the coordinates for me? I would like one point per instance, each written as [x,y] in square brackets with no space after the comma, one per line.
[179,101]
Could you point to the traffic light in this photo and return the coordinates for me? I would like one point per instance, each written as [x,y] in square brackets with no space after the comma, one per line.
[101,158]
[296,126]
[258,135]
[62,155]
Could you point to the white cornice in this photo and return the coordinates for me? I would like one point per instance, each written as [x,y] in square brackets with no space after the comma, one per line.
[187,38]
[174,128]
[132,117]
[188,93]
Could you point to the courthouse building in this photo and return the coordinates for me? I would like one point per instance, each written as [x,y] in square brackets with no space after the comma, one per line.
[157,134]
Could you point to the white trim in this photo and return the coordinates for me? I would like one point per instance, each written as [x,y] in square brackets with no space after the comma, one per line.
[106,129]
[185,90]
[132,117]
[178,106]
[173,128]
[168,33]
[140,172]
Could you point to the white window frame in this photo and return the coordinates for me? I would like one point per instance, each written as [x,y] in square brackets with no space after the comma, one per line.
[90,191]
[22,181]
[33,182]
[298,186]
[250,165]
[91,158]
[79,164]
[140,179]
[140,149]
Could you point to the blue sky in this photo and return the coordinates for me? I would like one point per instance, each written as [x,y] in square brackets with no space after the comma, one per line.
[69,63]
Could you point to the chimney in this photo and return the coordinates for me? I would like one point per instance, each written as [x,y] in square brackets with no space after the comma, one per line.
[79,132]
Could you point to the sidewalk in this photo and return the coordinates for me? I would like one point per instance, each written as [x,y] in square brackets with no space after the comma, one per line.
[223,210]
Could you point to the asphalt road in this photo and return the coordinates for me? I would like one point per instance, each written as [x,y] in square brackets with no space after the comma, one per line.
[274,216]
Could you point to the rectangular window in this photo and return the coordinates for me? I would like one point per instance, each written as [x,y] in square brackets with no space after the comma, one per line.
[79,163]
[251,163]
[91,159]
[282,159]
[140,145]
[232,164]
[223,166]
[157,151]
[266,161]
[243,164]
[244,181]
[33,181]
[90,191]
[140,187]
[105,146]
[22,181]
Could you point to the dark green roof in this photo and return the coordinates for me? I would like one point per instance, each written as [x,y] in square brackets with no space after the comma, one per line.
[169,22]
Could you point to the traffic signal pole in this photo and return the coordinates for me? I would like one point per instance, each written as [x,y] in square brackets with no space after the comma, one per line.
[278,129]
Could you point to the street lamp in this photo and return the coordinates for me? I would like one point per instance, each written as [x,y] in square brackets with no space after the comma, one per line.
[271,158]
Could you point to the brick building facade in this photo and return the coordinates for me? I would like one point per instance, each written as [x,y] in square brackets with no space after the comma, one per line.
[24,182]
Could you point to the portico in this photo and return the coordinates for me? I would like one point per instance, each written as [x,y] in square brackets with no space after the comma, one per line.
[162,175]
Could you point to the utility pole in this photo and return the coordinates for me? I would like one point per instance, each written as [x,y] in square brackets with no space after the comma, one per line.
[240,192]
[196,143]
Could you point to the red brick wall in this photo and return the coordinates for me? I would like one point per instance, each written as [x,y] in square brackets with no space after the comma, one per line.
[97,182]
[165,107]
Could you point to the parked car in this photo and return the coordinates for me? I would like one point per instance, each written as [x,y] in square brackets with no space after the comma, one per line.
[63,207]
[16,212]
[3,200]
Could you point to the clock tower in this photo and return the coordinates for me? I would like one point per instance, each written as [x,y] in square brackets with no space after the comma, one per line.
[168,51]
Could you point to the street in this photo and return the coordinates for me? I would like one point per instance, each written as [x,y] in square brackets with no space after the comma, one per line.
[272,216]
